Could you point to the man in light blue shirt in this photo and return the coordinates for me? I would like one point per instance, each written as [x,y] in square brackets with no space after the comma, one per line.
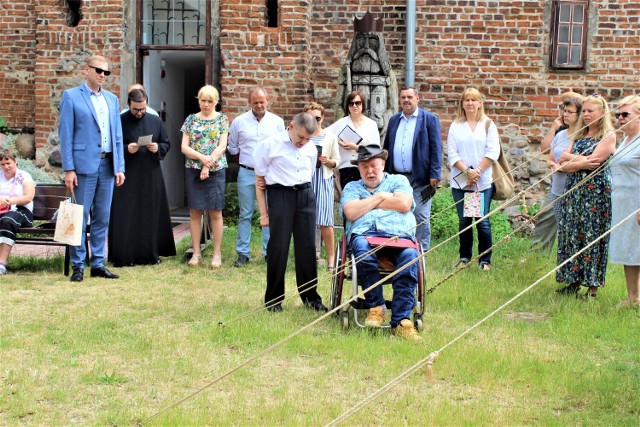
[381,205]
[246,132]
[415,151]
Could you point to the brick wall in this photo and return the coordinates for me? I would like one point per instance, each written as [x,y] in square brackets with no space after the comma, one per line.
[498,45]
[253,54]
[17,63]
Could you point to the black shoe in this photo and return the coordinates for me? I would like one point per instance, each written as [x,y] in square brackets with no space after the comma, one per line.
[317,306]
[277,308]
[242,260]
[78,275]
[103,272]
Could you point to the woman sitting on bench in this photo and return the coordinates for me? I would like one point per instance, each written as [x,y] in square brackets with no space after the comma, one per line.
[16,203]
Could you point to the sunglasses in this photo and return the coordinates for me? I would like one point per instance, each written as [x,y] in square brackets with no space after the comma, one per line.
[624,114]
[100,70]
[318,118]
[355,103]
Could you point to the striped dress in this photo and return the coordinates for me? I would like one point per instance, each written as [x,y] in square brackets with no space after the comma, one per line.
[323,189]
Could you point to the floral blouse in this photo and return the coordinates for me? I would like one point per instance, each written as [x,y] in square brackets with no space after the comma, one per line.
[204,136]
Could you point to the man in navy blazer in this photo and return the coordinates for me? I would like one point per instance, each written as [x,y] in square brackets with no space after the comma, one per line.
[414,144]
[93,159]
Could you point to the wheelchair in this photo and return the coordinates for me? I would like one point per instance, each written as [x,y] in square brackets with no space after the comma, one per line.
[345,268]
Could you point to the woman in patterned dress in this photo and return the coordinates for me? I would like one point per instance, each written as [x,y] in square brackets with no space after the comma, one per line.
[585,213]
[625,199]
[204,141]
[322,181]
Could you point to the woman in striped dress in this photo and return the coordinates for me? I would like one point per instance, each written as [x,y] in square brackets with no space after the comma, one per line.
[322,180]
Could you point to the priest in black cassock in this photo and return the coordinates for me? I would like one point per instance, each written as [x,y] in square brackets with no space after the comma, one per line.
[140,226]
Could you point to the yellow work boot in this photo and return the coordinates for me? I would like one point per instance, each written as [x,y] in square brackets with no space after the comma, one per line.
[374,318]
[406,330]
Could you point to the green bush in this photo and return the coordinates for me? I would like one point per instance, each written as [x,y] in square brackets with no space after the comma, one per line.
[3,126]
[444,218]
[232,207]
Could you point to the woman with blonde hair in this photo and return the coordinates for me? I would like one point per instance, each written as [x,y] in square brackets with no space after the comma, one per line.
[625,199]
[473,145]
[322,181]
[204,141]
[585,213]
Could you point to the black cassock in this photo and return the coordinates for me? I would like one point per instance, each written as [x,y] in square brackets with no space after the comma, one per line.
[140,226]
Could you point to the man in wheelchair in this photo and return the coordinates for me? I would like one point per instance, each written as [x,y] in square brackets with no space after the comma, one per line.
[381,205]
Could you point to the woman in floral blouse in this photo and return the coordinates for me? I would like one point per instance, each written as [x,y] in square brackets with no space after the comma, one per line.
[204,141]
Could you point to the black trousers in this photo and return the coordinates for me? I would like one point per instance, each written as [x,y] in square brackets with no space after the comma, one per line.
[291,212]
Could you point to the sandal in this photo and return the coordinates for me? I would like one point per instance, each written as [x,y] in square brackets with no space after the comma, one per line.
[485,266]
[587,296]
[628,304]
[330,269]
[216,262]
[194,261]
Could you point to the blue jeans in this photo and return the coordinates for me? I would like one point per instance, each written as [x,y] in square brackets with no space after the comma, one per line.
[94,192]
[246,200]
[483,227]
[404,283]
[422,212]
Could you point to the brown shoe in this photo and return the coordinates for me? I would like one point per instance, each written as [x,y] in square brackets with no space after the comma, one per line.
[375,318]
[406,330]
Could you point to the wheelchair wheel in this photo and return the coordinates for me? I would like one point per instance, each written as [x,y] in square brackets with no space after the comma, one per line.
[417,321]
[337,278]
[344,316]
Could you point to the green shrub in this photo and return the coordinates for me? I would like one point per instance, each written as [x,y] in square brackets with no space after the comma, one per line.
[444,218]
[3,126]
[39,175]
[231,209]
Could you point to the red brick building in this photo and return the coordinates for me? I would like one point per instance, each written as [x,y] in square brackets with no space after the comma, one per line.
[522,54]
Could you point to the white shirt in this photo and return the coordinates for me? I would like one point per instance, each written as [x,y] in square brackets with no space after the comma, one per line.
[279,161]
[403,147]
[15,188]
[102,113]
[368,130]
[471,148]
[247,131]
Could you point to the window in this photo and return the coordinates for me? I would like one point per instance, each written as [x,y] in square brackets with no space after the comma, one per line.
[173,22]
[569,34]
[272,13]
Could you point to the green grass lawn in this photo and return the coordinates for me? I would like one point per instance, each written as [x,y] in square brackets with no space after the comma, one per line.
[117,351]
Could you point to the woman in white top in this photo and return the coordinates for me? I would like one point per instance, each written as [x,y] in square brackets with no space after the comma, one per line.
[625,199]
[17,190]
[473,146]
[364,126]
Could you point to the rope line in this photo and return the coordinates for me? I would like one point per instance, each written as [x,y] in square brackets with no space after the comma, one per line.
[432,356]
[313,284]
[364,291]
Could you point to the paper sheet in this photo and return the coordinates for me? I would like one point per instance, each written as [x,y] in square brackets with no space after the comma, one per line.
[145,140]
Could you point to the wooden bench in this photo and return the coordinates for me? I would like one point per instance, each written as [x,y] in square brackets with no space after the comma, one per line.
[45,204]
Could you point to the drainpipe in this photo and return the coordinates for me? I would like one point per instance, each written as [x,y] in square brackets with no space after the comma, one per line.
[410,67]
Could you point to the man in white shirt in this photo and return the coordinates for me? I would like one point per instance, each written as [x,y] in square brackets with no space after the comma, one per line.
[284,165]
[246,132]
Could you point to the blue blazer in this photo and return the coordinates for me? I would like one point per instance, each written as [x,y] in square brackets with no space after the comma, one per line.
[426,150]
[79,132]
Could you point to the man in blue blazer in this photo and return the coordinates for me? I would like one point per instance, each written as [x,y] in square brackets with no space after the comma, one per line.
[92,158]
[415,150]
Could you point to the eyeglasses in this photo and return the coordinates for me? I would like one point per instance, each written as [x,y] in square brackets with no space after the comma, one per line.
[624,114]
[139,110]
[569,112]
[100,70]
[318,118]
[355,103]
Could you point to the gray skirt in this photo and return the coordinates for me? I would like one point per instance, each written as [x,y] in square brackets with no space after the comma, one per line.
[205,194]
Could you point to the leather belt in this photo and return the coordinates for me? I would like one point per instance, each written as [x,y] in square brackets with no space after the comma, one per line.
[292,187]
[105,155]
[246,167]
